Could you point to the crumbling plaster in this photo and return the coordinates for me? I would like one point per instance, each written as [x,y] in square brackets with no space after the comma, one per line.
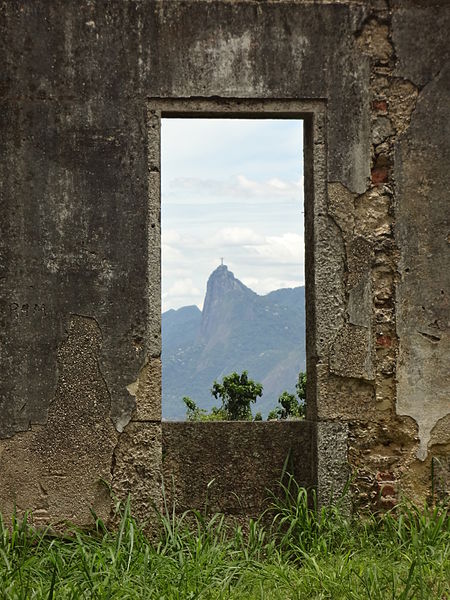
[422,234]
[422,223]
[80,232]
[72,451]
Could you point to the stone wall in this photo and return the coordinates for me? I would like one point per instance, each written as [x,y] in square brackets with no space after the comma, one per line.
[233,467]
[80,241]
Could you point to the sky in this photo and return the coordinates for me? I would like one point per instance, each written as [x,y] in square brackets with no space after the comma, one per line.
[230,188]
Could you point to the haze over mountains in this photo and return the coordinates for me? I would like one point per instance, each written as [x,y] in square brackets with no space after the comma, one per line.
[237,330]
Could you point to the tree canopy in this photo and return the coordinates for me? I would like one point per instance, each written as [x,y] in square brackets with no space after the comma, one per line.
[237,392]
[291,406]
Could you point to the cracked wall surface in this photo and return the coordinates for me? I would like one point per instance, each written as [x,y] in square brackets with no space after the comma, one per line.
[80,233]
[422,232]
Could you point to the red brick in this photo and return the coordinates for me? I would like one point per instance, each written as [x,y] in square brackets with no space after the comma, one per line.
[384,340]
[380,105]
[380,175]
[387,490]
[385,476]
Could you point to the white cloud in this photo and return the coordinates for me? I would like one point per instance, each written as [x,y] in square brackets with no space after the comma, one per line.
[235,236]
[238,186]
[268,284]
[271,187]
[287,248]
[179,272]
[179,247]
[183,287]
[174,237]
[170,236]
[171,254]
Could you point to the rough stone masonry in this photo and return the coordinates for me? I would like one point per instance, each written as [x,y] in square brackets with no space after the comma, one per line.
[83,87]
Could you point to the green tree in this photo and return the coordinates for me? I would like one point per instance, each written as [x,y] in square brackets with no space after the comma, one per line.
[291,406]
[195,413]
[236,393]
[273,415]
[300,387]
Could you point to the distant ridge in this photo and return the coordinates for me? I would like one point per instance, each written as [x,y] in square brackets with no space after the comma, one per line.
[236,330]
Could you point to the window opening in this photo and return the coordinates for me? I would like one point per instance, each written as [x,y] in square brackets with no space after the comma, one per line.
[232,259]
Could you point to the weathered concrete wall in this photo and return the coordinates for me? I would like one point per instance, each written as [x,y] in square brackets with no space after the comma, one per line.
[409,83]
[422,234]
[79,260]
[231,467]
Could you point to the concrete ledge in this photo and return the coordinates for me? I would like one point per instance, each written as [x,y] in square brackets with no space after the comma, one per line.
[242,460]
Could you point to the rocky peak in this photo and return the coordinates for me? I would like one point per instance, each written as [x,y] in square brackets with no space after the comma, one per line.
[221,284]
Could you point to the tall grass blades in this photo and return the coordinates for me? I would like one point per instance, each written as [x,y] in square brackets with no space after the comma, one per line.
[302,553]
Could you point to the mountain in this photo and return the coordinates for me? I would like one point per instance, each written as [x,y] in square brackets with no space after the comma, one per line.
[237,330]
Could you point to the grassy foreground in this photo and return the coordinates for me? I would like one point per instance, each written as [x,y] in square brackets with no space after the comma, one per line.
[302,554]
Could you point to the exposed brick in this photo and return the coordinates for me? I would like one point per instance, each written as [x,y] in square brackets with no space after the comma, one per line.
[385,476]
[387,490]
[384,340]
[380,105]
[380,175]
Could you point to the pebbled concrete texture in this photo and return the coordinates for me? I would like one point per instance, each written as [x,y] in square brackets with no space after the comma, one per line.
[232,467]
[80,232]
[136,469]
[332,470]
[60,470]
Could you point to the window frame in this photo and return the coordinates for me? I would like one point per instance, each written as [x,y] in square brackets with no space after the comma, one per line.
[313,115]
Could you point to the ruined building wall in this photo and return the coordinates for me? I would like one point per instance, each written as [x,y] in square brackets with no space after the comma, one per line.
[80,259]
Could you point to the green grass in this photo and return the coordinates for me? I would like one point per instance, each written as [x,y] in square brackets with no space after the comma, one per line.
[301,553]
